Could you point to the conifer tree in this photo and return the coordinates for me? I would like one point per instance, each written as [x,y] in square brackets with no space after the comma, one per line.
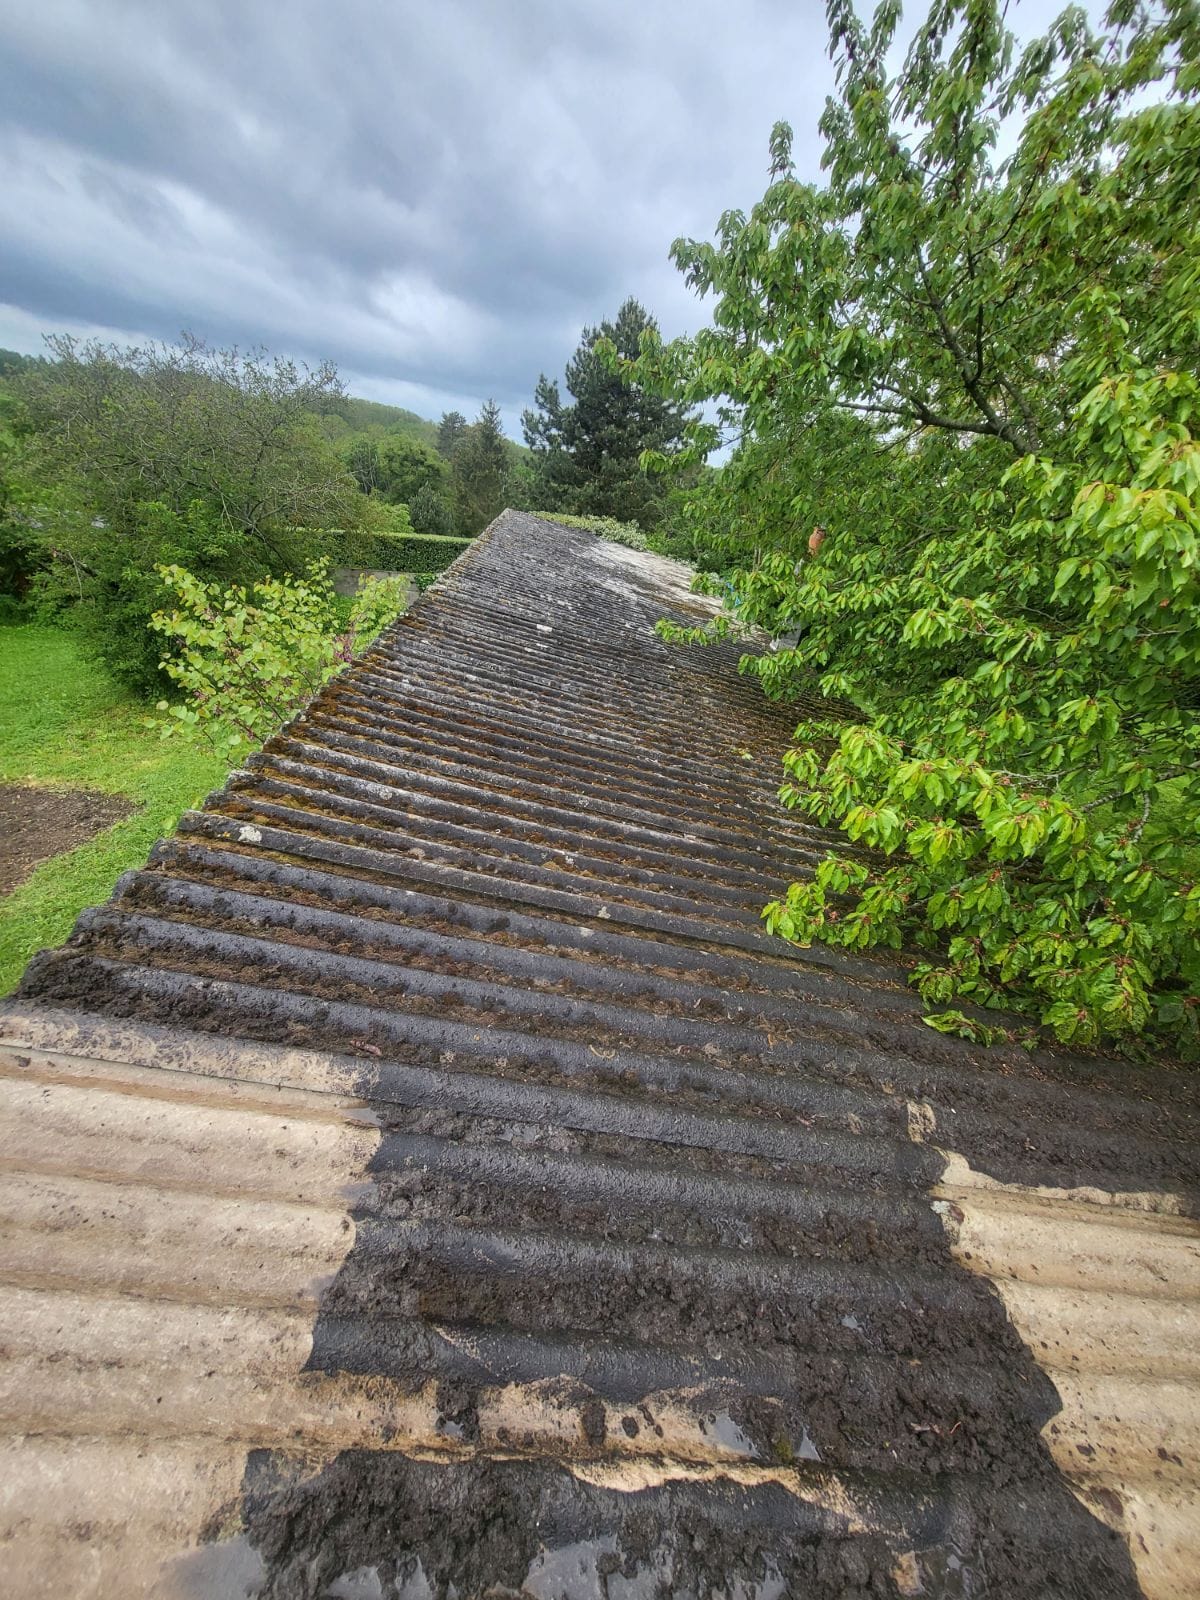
[587,453]
[480,471]
[450,432]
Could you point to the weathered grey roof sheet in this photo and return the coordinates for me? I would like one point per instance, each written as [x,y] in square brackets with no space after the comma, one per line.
[425,1177]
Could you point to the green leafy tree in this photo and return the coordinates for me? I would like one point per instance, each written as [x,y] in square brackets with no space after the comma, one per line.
[524,482]
[21,554]
[480,472]
[212,459]
[451,431]
[929,285]
[362,461]
[406,466]
[967,476]
[588,453]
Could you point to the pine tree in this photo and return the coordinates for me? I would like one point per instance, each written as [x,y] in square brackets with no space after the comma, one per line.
[587,453]
[450,433]
[480,472]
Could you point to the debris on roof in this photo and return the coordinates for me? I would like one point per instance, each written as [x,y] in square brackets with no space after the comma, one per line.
[425,1177]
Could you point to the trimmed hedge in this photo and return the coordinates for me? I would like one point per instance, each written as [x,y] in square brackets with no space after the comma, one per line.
[400,552]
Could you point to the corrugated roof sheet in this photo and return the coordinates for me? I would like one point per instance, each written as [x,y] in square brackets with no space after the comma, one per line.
[426,1178]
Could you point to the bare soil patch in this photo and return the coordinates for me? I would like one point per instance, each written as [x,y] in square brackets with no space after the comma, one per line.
[38,824]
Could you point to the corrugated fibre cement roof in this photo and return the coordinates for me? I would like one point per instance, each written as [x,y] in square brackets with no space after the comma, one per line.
[425,1178]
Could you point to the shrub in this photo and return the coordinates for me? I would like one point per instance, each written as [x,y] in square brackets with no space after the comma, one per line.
[248,659]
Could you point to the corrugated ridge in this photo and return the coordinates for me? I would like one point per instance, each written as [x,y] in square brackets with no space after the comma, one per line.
[500,884]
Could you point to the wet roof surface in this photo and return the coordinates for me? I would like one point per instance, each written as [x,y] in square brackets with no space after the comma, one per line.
[426,1178]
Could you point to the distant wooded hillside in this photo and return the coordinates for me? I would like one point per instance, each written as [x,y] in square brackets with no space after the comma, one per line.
[348,415]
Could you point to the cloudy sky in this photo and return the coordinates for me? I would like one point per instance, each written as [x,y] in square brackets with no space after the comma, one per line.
[437,196]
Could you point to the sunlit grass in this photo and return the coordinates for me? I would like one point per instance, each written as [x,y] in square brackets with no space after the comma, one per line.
[65,724]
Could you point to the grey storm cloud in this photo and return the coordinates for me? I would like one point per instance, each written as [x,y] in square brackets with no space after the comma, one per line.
[437,196]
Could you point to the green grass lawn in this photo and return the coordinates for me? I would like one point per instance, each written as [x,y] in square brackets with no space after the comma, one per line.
[65,724]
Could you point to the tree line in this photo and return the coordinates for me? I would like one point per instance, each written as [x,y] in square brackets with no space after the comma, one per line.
[238,466]
[584,455]
[453,484]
